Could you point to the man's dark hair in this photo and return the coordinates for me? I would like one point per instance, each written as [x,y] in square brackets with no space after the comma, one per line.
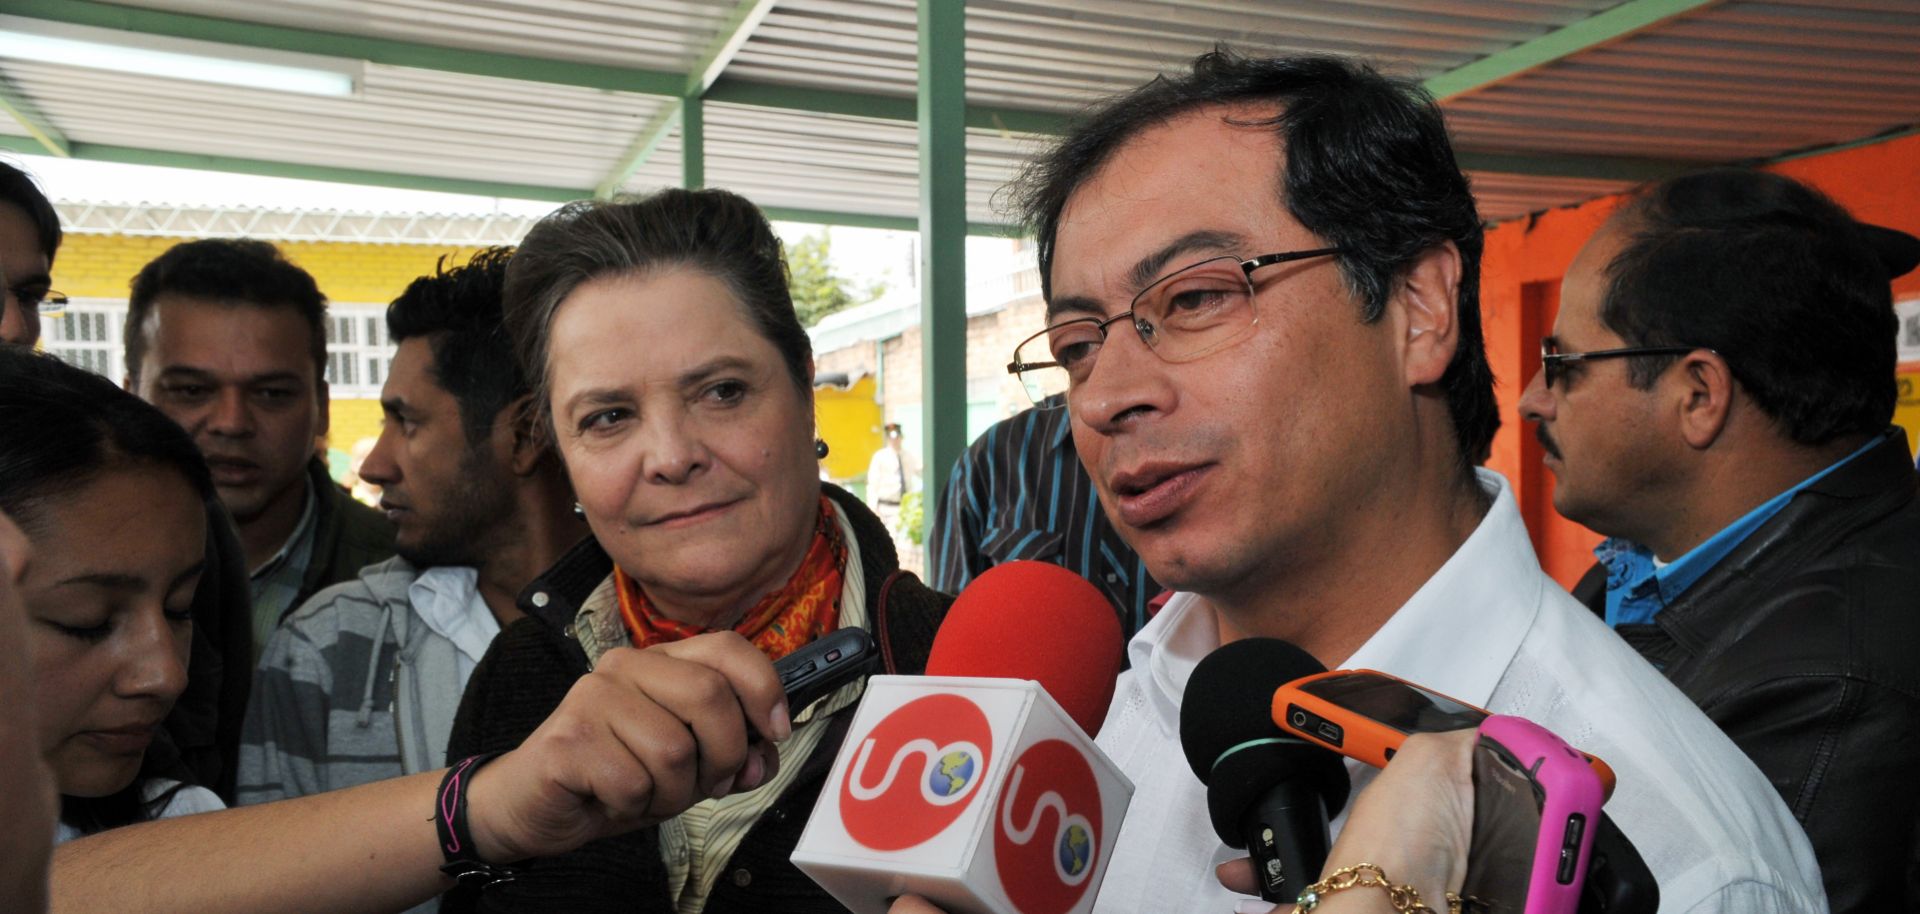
[1369,168]
[1773,276]
[230,271]
[18,189]
[458,310]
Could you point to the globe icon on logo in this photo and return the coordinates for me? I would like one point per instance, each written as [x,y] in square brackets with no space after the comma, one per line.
[952,775]
[1076,848]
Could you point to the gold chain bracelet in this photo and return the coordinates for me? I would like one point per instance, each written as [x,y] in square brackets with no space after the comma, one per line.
[1404,898]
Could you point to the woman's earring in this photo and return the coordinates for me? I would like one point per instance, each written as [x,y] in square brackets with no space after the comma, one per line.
[579,511]
[820,448]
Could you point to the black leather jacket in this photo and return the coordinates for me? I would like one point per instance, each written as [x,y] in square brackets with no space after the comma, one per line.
[1803,644]
[535,660]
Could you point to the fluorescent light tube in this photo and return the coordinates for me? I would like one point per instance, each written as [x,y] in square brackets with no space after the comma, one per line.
[176,58]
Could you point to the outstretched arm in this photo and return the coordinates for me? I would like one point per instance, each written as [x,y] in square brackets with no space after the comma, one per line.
[645,736]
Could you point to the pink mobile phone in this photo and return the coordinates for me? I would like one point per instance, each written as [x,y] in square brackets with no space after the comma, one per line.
[1536,810]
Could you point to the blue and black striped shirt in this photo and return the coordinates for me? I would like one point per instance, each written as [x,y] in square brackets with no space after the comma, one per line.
[1019,492]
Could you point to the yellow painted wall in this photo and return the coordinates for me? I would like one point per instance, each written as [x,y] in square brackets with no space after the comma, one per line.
[1906,411]
[849,421]
[102,266]
[353,420]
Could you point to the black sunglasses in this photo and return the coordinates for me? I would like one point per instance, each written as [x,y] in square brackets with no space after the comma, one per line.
[1553,364]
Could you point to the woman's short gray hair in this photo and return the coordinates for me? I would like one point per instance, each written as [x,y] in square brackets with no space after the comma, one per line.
[717,232]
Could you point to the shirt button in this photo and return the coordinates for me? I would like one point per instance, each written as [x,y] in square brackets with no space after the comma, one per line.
[742,878]
[540,599]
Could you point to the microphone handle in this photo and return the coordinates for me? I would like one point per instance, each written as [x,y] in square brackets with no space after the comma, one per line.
[1286,835]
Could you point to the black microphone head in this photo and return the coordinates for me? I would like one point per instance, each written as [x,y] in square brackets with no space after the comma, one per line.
[1230,739]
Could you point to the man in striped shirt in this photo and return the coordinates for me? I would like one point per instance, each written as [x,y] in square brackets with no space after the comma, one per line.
[361,683]
[1020,492]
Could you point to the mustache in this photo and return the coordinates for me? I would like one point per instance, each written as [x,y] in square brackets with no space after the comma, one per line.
[1546,441]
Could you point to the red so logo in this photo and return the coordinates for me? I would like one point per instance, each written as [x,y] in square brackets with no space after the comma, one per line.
[1047,831]
[915,772]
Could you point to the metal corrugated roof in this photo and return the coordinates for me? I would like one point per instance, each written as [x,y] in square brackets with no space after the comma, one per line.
[1552,101]
[1731,82]
[835,163]
[402,120]
[1057,55]
[654,34]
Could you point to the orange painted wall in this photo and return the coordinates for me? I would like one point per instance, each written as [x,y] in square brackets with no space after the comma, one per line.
[1519,294]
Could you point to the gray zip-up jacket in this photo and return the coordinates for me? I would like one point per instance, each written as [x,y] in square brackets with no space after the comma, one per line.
[353,687]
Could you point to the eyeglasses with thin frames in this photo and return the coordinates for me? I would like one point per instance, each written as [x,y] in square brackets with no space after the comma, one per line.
[44,302]
[1554,364]
[1184,315]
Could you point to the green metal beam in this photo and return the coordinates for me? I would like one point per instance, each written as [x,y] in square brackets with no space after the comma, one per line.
[1887,137]
[883,107]
[693,142]
[876,221]
[1618,22]
[814,101]
[1015,120]
[48,137]
[98,152]
[352,47]
[1601,168]
[732,36]
[641,150]
[943,236]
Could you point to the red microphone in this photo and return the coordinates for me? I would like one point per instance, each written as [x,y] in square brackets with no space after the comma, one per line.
[1038,621]
[976,785]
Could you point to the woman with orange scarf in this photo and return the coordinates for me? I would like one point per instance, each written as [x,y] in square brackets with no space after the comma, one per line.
[677,382]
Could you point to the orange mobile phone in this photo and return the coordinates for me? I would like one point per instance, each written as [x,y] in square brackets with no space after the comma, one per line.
[1366,715]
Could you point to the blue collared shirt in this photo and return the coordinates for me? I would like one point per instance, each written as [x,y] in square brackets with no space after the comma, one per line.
[1639,587]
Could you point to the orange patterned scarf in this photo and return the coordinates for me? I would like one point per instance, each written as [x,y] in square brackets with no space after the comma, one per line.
[807,607]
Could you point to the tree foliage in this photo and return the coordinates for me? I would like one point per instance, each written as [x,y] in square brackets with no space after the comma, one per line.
[818,290]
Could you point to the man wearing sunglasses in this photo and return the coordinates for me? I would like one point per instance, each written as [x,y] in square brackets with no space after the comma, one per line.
[1716,399]
[1261,281]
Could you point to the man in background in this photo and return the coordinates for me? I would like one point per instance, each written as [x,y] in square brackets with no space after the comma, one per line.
[228,337]
[1020,492]
[29,238]
[1716,398]
[361,683]
[891,474]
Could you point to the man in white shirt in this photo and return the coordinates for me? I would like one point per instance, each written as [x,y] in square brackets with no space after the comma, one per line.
[891,474]
[362,682]
[1261,281]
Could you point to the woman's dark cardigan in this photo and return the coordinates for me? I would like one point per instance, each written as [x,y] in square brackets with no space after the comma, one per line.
[533,663]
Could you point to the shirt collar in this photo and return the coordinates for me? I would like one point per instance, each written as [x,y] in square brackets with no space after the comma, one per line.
[1639,586]
[302,532]
[1168,647]
[1425,640]
[1462,628]
[448,600]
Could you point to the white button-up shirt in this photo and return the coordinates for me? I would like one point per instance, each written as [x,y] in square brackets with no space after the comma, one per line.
[448,599]
[1491,629]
